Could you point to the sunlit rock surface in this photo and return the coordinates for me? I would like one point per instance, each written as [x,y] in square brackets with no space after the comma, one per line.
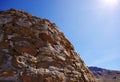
[34,50]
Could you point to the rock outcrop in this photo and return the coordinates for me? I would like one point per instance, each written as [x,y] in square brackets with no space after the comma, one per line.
[34,50]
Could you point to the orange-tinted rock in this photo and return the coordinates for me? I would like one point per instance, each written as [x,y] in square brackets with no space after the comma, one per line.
[46,37]
[27,50]
[7,73]
[34,50]
[26,78]
[4,44]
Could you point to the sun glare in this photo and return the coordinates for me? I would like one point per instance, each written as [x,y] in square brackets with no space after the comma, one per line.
[111,3]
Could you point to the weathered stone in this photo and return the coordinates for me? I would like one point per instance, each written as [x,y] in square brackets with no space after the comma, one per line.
[67,70]
[4,20]
[73,80]
[1,37]
[67,53]
[23,22]
[7,73]
[61,76]
[4,44]
[61,58]
[18,62]
[28,50]
[78,65]
[11,36]
[41,71]
[1,58]
[45,28]
[49,79]
[49,59]
[34,50]
[52,68]
[70,67]
[26,78]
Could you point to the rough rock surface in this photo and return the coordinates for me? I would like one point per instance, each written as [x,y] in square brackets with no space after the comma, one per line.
[34,50]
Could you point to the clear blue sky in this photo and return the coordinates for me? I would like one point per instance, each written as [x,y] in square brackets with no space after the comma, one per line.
[92,26]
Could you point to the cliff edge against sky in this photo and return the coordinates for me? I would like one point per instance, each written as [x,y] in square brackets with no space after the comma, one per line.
[34,50]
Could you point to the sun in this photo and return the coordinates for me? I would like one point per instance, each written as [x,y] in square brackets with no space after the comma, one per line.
[111,3]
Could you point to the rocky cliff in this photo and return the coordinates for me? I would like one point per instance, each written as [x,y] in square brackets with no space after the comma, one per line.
[34,50]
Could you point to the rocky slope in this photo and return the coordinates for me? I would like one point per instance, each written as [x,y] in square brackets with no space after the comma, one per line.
[104,75]
[34,50]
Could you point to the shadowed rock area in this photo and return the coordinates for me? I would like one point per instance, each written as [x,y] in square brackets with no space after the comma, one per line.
[34,50]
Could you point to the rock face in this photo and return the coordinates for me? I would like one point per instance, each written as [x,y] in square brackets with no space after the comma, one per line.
[104,75]
[34,50]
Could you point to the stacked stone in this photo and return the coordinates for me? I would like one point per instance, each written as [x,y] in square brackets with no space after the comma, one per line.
[34,50]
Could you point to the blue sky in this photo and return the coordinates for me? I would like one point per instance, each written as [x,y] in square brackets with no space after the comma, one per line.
[92,26]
